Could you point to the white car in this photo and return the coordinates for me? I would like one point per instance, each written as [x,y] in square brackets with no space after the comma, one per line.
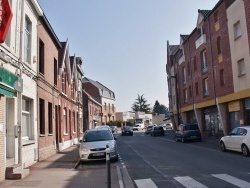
[169,126]
[93,145]
[237,140]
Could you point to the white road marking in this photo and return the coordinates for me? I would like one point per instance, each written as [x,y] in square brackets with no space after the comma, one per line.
[235,181]
[188,182]
[145,183]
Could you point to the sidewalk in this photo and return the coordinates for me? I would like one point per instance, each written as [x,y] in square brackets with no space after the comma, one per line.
[58,172]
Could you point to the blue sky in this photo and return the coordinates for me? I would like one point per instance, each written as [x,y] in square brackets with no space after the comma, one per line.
[123,42]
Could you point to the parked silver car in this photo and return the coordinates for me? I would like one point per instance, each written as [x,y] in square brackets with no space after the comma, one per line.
[93,145]
[237,140]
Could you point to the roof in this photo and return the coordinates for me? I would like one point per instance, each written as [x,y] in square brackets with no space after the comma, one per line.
[173,49]
[184,37]
[103,91]
[204,13]
[61,53]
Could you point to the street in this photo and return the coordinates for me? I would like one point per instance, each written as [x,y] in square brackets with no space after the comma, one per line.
[161,162]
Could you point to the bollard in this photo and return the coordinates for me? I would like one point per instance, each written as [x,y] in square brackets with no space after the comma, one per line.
[108,166]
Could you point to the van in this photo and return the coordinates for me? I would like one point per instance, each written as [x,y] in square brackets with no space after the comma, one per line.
[138,127]
[186,132]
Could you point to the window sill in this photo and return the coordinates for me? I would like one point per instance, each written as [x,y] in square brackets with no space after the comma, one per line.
[27,142]
[50,134]
[65,134]
[42,135]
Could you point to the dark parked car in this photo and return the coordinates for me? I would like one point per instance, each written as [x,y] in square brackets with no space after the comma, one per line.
[187,132]
[157,130]
[148,129]
[127,130]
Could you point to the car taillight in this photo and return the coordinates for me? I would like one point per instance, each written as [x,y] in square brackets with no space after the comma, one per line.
[184,132]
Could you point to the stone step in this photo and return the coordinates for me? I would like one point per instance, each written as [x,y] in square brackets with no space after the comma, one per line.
[16,172]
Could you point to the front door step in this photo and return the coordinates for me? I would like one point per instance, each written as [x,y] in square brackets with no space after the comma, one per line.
[16,172]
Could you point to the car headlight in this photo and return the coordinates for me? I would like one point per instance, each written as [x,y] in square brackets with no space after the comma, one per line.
[85,149]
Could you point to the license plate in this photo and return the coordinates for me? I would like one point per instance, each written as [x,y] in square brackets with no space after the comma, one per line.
[98,154]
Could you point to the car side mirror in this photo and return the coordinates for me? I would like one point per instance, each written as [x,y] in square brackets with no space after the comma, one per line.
[115,137]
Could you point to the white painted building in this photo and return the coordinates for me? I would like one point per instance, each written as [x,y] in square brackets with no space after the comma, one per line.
[18,61]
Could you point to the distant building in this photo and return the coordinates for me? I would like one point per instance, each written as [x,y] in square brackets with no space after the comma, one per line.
[102,95]
[92,113]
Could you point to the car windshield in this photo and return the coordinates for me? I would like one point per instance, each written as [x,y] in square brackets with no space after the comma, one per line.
[127,128]
[99,135]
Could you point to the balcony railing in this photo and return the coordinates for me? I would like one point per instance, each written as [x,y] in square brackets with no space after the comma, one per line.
[201,40]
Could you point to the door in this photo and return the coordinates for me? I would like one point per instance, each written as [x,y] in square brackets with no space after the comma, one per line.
[10,129]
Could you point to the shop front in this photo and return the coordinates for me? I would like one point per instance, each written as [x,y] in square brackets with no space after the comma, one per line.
[213,125]
[10,84]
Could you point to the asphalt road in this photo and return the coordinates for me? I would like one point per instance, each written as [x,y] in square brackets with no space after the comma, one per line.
[161,162]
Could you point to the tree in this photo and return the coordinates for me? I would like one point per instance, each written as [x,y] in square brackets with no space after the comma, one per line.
[141,105]
[159,108]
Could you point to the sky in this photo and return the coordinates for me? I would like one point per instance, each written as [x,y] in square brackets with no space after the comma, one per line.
[123,43]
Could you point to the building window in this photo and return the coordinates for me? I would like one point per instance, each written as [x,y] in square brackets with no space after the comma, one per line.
[204,61]
[237,30]
[241,67]
[105,106]
[55,72]
[65,128]
[219,45]
[205,86]
[73,122]
[194,62]
[42,116]
[190,91]
[70,121]
[41,56]
[196,88]
[50,124]
[222,79]
[63,82]
[113,107]
[184,75]
[27,40]
[26,119]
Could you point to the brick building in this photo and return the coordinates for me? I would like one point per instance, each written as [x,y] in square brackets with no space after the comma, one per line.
[47,89]
[68,109]
[208,70]
[92,113]
[102,95]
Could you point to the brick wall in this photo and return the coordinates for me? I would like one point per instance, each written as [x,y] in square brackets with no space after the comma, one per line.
[48,94]
[247,10]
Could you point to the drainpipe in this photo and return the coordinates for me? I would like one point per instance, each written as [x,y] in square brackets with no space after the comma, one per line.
[19,95]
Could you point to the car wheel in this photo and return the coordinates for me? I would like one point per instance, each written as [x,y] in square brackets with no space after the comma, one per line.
[222,146]
[245,150]
[176,139]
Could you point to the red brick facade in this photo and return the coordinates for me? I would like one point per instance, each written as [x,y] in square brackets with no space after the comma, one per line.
[47,92]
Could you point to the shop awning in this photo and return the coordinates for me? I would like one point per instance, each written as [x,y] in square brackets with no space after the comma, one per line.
[9,83]
[5,90]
